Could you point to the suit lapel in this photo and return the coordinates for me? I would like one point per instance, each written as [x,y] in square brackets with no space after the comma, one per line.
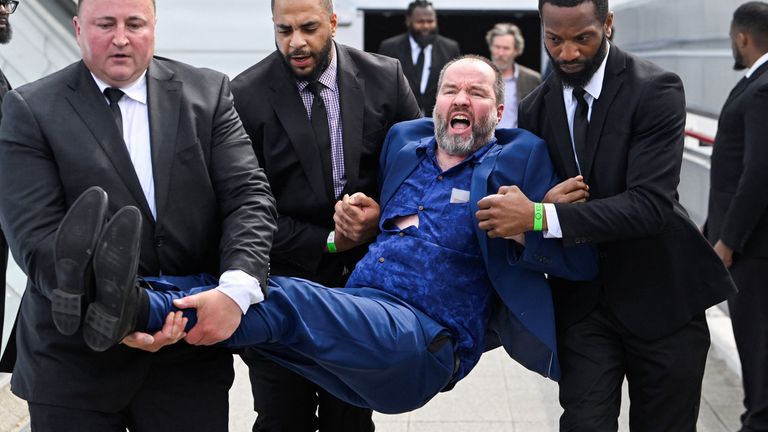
[559,126]
[400,168]
[164,104]
[743,84]
[88,102]
[409,70]
[601,107]
[352,93]
[292,114]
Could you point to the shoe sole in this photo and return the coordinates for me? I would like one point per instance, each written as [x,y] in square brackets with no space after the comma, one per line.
[74,245]
[115,263]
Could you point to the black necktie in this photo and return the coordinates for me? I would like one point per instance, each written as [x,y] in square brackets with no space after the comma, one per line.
[319,120]
[580,123]
[419,69]
[114,95]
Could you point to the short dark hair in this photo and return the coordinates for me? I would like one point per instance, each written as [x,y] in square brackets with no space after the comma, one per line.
[601,6]
[327,4]
[498,85]
[80,2]
[752,18]
[418,4]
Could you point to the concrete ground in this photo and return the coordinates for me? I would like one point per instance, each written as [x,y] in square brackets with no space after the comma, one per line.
[498,396]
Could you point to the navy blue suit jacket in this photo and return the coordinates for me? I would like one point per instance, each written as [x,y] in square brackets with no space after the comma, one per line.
[523,320]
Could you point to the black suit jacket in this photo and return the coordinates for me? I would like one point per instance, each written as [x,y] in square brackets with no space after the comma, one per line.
[214,211]
[373,95]
[657,270]
[738,202]
[443,51]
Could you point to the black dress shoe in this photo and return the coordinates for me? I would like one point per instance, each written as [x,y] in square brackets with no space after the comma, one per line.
[73,247]
[112,315]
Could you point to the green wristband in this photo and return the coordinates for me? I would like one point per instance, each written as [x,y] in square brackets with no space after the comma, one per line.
[538,216]
[330,243]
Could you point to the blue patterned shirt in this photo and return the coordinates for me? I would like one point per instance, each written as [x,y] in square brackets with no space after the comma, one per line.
[436,267]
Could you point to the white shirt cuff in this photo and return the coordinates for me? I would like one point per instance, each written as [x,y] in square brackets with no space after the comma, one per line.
[241,287]
[553,223]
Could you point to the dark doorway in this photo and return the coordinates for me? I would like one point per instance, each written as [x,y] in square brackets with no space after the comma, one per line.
[467,27]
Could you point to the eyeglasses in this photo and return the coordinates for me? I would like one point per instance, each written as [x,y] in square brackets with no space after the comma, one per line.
[9,5]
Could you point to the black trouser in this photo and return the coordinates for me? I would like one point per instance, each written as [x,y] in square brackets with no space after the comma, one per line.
[8,357]
[174,397]
[749,316]
[664,375]
[288,402]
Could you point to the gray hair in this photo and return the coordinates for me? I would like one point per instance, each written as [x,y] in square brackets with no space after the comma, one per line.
[502,29]
[498,85]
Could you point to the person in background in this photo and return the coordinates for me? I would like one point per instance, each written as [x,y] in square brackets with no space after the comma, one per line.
[506,44]
[317,112]
[737,221]
[422,52]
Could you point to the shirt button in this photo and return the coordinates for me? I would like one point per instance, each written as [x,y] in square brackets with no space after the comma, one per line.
[421,208]
[440,178]
[401,234]
[381,260]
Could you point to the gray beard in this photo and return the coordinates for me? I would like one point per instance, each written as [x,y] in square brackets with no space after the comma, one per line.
[482,133]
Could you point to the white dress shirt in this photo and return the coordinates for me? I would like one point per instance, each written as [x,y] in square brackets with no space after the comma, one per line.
[238,285]
[762,60]
[593,90]
[415,50]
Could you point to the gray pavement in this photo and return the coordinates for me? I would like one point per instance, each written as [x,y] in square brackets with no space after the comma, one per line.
[498,396]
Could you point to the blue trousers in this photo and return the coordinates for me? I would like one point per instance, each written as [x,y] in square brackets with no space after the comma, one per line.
[362,345]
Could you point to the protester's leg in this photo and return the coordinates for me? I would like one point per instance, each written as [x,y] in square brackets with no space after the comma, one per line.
[749,315]
[592,363]
[361,345]
[364,347]
[49,418]
[664,378]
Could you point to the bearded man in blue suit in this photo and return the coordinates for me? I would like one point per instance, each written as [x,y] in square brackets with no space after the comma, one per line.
[436,288]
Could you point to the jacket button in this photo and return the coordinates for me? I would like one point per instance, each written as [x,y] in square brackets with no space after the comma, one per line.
[159,242]
[381,260]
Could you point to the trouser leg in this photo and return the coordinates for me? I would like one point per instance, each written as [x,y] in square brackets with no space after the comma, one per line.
[592,363]
[49,418]
[664,377]
[749,316]
[363,346]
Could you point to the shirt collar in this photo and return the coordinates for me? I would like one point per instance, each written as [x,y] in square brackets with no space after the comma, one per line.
[430,145]
[328,77]
[595,85]
[515,74]
[762,60]
[136,90]
[415,45]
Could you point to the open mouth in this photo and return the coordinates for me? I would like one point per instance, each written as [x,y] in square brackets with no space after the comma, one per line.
[300,59]
[460,122]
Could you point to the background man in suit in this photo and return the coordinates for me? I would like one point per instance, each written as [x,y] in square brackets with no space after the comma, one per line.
[315,150]
[737,223]
[506,44]
[422,52]
[173,146]
[643,318]
[7,7]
